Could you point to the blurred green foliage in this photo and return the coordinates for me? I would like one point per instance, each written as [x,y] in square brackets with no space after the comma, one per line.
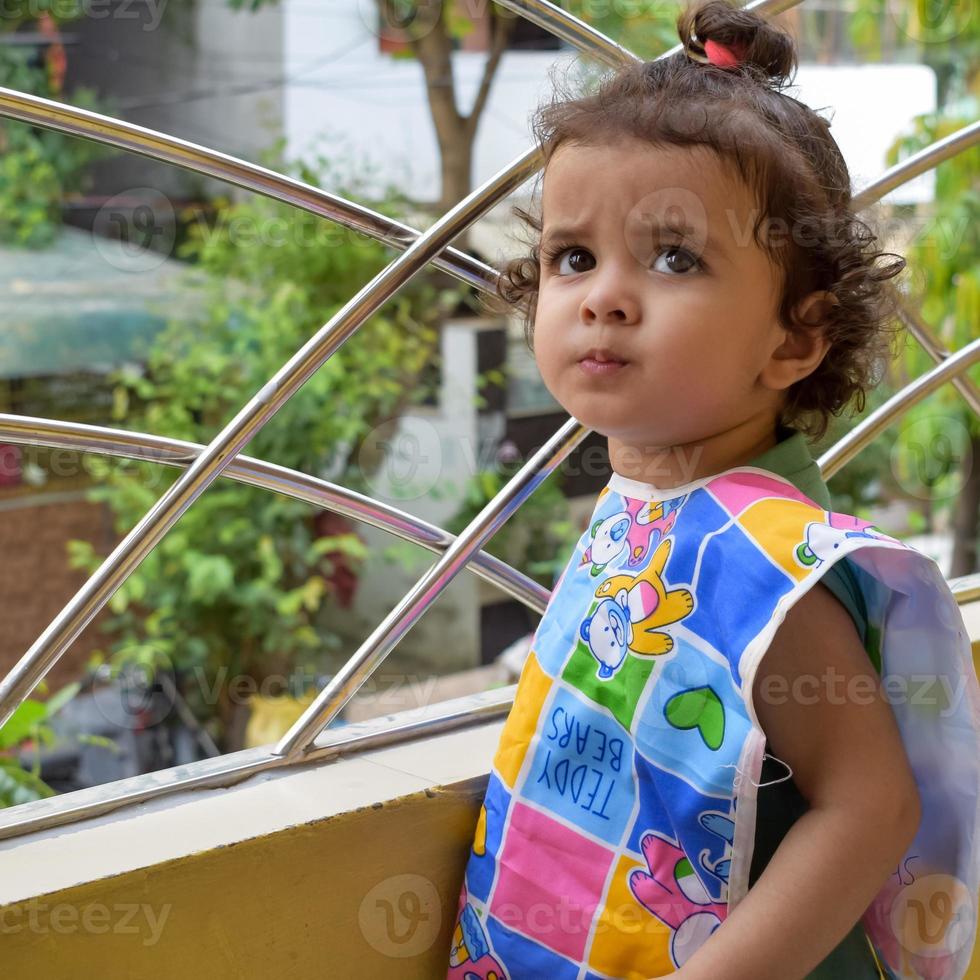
[38,167]
[240,585]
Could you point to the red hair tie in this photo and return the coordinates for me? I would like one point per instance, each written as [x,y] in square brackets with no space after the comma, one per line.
[723,56]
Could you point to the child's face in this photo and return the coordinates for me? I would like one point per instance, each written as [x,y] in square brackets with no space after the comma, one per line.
[693,316]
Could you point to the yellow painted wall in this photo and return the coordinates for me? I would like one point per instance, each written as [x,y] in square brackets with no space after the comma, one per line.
[368,894]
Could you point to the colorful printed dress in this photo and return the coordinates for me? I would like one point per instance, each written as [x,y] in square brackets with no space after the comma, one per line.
[619,821]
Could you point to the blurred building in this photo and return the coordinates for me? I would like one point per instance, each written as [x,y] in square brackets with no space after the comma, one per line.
[71,313]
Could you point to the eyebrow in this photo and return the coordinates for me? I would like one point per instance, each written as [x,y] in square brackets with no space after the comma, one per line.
[563,231]
[571,232]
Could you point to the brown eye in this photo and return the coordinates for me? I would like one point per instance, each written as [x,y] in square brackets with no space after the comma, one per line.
[578,259]
[678,261]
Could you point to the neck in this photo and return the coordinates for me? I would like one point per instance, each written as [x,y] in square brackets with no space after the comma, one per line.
[666,467]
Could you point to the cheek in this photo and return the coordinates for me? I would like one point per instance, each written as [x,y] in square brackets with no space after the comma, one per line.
[550,339]
[546,350]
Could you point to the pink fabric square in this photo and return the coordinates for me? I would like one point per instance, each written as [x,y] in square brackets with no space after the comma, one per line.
[739,490]
[550,881]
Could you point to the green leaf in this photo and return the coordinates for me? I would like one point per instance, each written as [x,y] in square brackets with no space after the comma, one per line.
[101,742]
[57,701]
[21,723]
[209,578]
[18,786]
[347,544]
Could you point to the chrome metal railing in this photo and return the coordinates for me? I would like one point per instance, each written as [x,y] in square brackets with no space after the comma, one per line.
[307,741]
[56,434]
[847,448]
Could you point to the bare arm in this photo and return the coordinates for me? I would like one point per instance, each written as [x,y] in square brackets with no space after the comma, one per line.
[819,702]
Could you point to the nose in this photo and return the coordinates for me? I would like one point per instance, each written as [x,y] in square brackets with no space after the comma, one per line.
[610,299]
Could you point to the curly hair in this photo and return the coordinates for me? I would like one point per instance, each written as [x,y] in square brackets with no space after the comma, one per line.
[783,151]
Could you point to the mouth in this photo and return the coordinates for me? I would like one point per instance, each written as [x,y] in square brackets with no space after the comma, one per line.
[599,361]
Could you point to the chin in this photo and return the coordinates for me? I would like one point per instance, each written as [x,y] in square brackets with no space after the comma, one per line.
[587,416]
[592,415]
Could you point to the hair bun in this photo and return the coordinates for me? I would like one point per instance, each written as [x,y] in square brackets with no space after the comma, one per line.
[768,49]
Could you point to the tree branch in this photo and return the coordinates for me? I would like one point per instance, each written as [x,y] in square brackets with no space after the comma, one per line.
[502,30]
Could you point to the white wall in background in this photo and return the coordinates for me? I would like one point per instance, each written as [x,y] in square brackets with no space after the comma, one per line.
[341,85]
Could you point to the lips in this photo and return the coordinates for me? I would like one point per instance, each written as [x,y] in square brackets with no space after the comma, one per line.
[601,363]
[602,355]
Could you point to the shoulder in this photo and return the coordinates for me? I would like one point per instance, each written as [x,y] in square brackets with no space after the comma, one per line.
[820,607]
[817,633]
[818,700]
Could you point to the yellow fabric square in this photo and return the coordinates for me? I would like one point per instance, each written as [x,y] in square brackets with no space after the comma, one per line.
[629,941]
[532,689]
[779,526]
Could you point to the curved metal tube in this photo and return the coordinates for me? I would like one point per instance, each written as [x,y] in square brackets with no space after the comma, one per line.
[99,128]
[214,458]
[382,640]
[227,770]
[128,554]
[93,126]
[84,605]
[922,332]
[847,448]
[414,603]
[576,32]
[231,768]
[268,476]
[927,158]
[597,45]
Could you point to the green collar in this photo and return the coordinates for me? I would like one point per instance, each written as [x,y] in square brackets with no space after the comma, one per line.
[790,458]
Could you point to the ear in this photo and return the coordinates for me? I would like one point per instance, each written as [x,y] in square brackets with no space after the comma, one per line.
[803,347]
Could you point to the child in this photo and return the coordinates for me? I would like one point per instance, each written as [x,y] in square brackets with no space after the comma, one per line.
[732,754]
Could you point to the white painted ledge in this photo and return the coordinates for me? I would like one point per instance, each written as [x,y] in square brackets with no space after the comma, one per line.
[191,821]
